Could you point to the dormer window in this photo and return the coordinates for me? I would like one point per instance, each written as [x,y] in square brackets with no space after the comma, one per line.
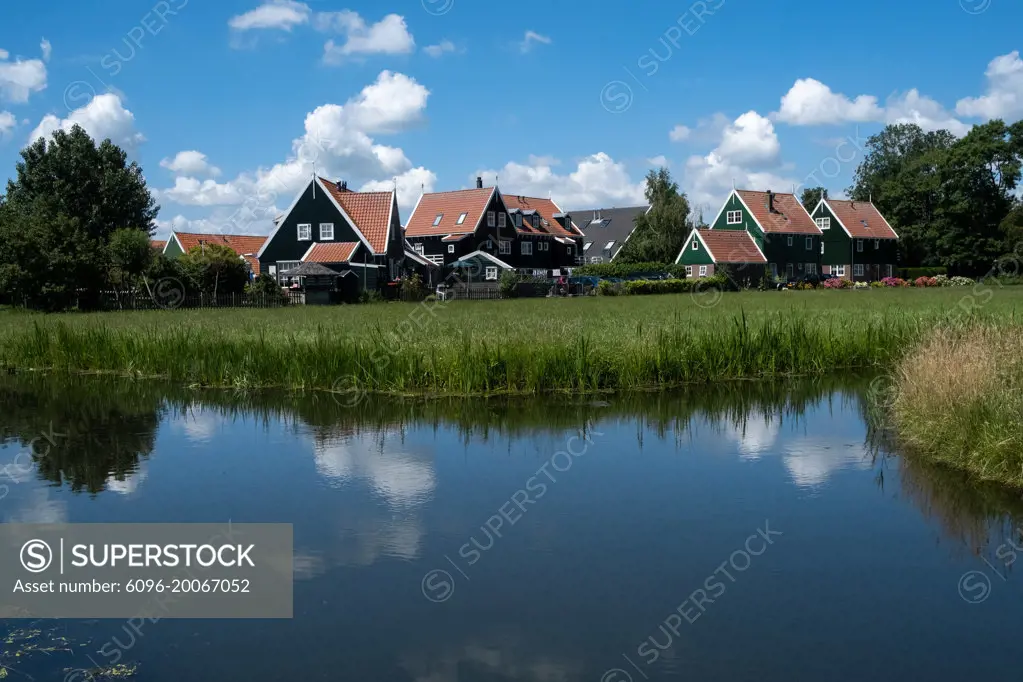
[518,220]
[536,220]
[436,221]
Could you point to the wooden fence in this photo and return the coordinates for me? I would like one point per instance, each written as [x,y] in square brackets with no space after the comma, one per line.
[174,299]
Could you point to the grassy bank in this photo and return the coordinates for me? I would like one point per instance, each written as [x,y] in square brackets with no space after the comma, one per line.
[523,346]
[958,401]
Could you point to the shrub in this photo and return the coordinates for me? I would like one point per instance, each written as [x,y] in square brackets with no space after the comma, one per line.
[642,287]
[925,282]
[606,288]
[916,273]
[837,283]
[412,288]
[875,285]
[960,282]
[629,270]
[941,280]
[894,282]
[862,285]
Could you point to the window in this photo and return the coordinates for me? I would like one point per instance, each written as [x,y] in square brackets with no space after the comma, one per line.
[734,217]
[491,273]
[461,219]
[877,244]
[586,246]
[838,270]
[273,270]
[824,223]
[609,245]
[790,270]
[800,267]
[888,268]
[527,248]
[543,246]
[822,247]
[809,243]
[773,267]
[703,271]
[811,268]
[789,240]
[569,250]
[305,232]
[536,220]
[327,231]
[504,246]
[596,259]
[518,220]
[418,248]
[689,271]
[859,246]
[501,218]
[436,221]
[490,218]
[858,269]
[696,244]
[451,248]
[283,267]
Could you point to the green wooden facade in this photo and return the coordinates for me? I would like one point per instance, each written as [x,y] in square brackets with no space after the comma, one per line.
[697,256]
[879,257]
[172,250]
[791,255]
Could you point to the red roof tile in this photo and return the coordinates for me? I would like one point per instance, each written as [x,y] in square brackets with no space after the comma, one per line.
[158,244]
[861,219]
[244,245]
[369,211]
[546,208]
[789,216]
[732,246]
[449,205]
[331,252]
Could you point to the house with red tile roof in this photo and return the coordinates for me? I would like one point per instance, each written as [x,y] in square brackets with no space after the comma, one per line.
[158,244]
[859,244]
[347,231]
[246,246]
[510,231]
[707,251]
[779,225]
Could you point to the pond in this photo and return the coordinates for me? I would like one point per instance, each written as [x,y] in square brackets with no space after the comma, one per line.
[742,532]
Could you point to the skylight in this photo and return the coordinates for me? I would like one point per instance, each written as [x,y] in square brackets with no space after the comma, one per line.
[586,246]
[436,221]
[609,245]
[461,219]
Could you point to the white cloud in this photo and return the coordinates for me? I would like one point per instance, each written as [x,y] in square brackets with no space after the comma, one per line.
[279,14]
[7,123]
[440,48]
[659,161]
[810,102]
[532,38]
[103,117]
[47,49]
[679,133]
[597,181]
[20,78]
[401,479]
[912,107]
[190,163]
[410,185]
[337,143]
[390,35]
[180,223]
[1004,98]
[750,140]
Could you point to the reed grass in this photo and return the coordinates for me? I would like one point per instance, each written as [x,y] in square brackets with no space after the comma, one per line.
[958,400]
[519,346]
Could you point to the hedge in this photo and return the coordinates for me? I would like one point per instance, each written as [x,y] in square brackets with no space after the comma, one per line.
[628,270]
[643,287]
[916,273]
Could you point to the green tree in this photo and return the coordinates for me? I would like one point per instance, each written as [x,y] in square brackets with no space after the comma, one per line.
[811,196]
[214,269]
[70,195]
[660,233]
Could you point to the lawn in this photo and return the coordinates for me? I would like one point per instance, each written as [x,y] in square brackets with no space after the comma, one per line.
[528,345]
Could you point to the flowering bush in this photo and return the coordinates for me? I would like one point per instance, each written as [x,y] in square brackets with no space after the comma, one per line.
[837,283]
[894,282]
[925,282]
[941,280]
[876,285]
[862,285]
[961,282]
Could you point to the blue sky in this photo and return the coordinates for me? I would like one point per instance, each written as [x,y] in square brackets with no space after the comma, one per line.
[229,106]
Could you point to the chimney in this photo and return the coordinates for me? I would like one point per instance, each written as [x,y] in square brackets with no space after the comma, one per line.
[479,182]
[770,201]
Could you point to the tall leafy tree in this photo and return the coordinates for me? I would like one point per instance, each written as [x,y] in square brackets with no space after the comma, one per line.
[811,196]
[660,233]
[214,269]
[73,195]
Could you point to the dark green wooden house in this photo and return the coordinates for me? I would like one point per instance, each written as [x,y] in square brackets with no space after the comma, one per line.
[859,244]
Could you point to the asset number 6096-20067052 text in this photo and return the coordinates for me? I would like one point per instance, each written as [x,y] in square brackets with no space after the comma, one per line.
[223,585]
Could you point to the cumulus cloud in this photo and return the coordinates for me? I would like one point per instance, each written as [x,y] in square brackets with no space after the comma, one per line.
[810,102]
[7,123]
[531,39]
[103,117]
[440,49]
[20,78]
[46,48]
[195,192]
[390,35]
[750,140]
[912,107]
[1004,98]
[597,180]
[280,15]
[190,163]
[409,185]
[679,133]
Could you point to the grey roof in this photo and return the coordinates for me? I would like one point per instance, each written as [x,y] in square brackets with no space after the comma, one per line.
[309,270]
[613,224]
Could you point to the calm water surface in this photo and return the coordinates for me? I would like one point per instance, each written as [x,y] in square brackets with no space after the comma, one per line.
[451,541]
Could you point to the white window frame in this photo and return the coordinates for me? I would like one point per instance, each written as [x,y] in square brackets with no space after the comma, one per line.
[809,243]
[891,270]
[703,271]
[799,266]
[596,260]
[696,244]
[436,220]
[284,265]
[823,224]
[877,244]
[811,268]
[822,247]
[501,220]
[527,248]
[536,221]
[518,220]
[569,250]
[838,270]
[305,229]
[504,247]
[490,273]
[857,269]
[734,217]
[325,236]
[461,218]
[451,248]
[789,240]
[859,246]
[689,271]
[491,217]
[418,248]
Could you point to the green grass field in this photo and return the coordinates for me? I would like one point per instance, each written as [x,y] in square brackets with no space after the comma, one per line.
[529,345]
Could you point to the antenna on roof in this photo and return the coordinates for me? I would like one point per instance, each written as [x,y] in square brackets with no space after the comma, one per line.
[395,184]
[314,182]
[733,184]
